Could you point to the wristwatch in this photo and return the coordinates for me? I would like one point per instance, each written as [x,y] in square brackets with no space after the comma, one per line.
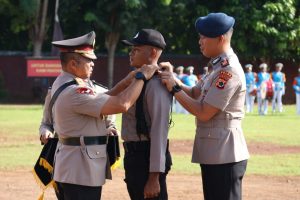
[176,88]
[140,76]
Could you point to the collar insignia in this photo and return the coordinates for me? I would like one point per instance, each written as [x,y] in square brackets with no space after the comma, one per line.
[216,60]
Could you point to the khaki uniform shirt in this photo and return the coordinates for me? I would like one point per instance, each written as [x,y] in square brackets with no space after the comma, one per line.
[221,139]
[76,113]
[46,124]
[157,104]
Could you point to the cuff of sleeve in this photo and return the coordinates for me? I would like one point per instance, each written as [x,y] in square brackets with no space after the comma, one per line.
[211,102]
[100,103]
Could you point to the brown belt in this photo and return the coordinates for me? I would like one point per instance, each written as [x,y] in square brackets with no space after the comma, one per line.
[87,140]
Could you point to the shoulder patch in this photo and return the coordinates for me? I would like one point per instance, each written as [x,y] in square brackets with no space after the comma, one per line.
[85,90]
[224,76]
[224,62]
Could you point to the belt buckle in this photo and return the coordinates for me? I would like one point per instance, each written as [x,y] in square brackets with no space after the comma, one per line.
[107,138]
[81,139]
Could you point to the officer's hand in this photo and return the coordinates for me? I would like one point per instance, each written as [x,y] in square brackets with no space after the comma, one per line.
[166,66]
[112,131]
[128,79]
[149,70]
[45,137]
[152,187]
[168,79]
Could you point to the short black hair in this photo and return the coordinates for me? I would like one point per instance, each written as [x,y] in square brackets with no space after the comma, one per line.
[65,57]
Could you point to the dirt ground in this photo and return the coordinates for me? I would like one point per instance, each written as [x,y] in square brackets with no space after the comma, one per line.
[186,147]
[20,184]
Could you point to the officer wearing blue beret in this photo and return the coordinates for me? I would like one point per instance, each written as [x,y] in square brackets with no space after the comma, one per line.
[218,104]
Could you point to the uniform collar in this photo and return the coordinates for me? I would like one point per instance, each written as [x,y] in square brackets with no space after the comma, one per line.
[216,62]
[67,74]
[70,76]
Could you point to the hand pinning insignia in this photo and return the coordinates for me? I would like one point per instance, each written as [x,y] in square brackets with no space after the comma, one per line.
[224,76]
[84,90]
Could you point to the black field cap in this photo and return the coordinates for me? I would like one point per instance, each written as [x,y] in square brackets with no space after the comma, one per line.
[83,45]
[214,24]
[149,37]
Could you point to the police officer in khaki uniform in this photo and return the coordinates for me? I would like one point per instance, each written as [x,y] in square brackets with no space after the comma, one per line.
[145,126]
[80,165]
[46,127]
[218,104]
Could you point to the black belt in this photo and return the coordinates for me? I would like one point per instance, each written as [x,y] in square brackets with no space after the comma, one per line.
[139,146]
[88,140]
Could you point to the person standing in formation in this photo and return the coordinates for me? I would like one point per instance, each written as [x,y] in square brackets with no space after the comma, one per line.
[279,80]
[296,86]
[251,88]
[190,79]
[261,83]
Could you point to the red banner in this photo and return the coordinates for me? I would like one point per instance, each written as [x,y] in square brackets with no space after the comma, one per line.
[43,68]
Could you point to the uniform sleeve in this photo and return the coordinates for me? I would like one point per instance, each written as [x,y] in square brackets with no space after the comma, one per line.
[223,87]
[158,106]
[46,125]
[85,101]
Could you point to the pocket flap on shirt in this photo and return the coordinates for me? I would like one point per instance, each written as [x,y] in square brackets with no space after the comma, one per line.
[210,133]
[96,151]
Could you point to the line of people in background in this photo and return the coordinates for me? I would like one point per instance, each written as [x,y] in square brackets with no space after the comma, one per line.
[268,86]
[189,79]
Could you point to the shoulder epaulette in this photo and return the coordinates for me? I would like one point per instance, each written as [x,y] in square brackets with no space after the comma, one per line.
[96,83]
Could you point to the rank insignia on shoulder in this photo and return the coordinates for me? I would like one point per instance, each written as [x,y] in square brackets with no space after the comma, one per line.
[224,76]
[224,62]
[216,60]
[84,90]
[96,83]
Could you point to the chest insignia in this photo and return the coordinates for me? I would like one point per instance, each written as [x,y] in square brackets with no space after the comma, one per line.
[224,76]
[84,90]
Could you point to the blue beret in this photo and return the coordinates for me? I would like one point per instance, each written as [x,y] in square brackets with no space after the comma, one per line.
[214,24]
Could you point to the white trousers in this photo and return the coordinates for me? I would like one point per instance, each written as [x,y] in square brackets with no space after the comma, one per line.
[179,108]
[249,102]
[262,105]
[298,103]
[277,100]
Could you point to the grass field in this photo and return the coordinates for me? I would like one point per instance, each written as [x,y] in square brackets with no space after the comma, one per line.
[20,145]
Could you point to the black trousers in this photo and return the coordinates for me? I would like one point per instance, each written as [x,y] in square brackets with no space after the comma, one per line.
[136,165]
[68,191]
[224,181]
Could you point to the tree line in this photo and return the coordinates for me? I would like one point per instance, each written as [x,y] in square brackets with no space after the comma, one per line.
[264,29]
